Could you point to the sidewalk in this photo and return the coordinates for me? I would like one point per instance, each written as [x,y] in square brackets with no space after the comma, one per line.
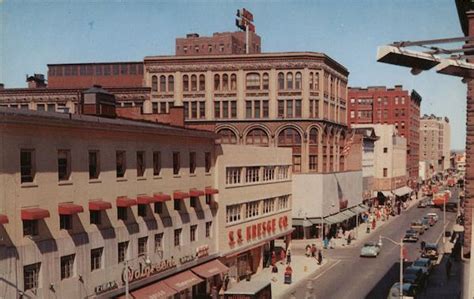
[302,266]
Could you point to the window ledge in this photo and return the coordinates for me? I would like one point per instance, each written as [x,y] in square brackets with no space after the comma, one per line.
[141,179]
[157,177]
[65,183]
[95,181]
[192,174]
[29,185]
[208,174]
[176,176]
[122,179]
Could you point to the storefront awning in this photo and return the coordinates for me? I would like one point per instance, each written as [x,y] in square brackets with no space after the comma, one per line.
[402,191]
[34,214]
[252,287]
[3,219]
[196,193]
[210,269]
[336,218]
[160,197]
[99,205]
[210,190]
[180,195]
[144,199]
[183,280]
[125,202]
[348,214]
[69,209]
[359,209]
[386,193]
[157,290]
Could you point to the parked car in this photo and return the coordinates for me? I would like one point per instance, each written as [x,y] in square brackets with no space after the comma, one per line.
[370,249]
[411,235]
[431,251]
[424,263]
[430,220]
[409,291]
[434,216]
[425,222]
[418,226]
[415,276]
[422,204]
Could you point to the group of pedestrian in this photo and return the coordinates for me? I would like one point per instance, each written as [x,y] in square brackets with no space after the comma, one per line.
[313,252]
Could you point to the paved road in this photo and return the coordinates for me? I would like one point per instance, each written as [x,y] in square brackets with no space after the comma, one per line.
[350,276]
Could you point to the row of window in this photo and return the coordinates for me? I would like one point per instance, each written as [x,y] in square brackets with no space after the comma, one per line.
[254,174]
[68,262]
[253,209]
[368,113]
[96,69]
[28,164]
[384,100]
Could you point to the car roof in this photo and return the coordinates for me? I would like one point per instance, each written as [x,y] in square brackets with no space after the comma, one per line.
[431,245]
[423,259]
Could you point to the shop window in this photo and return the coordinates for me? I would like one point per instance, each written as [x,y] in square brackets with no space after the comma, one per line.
[227,136]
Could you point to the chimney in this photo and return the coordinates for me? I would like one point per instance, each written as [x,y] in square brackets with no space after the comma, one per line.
[98,101]
[36,81]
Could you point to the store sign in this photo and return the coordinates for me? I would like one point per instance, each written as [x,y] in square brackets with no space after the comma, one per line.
[145,270]
[202,251]
[257,230]
[187,258]
[105,287]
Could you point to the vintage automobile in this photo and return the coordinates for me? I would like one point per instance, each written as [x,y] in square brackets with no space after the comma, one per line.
[415,276]
[422,204]
[409,291]
[434,216]
[431,251]
[418,226]
[424,263]
[429,219]
[426,223]
[411,235]
[370,249]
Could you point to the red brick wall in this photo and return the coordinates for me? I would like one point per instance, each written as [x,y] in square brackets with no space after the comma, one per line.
[174,118]
[411,117]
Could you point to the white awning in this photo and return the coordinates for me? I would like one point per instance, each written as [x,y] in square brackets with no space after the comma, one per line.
[402,191]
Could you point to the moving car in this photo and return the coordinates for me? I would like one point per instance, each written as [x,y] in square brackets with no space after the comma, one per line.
[415,276]
[434,216]
[425,222]
[409,291]
[422,204]
[431,251]
[418,226]
[370,249]
[430,220]
[424,263]
[411,235]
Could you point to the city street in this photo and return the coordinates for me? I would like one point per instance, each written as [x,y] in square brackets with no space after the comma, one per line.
[349,276]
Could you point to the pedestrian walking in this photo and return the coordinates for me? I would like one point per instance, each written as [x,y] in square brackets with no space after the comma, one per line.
[308,251]
[320,257]
[448,268]
[422,245]
[282,256]
[313,250]
[326,242]
[288,257]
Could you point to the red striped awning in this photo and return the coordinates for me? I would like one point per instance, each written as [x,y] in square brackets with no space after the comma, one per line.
[161,197]
[34,214]
[210,191]
[196,193]
[69,209]
[99,205]
[144,199]
[125,202]
[180,195]
[3,219]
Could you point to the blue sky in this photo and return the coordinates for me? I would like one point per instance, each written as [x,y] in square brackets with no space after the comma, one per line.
[35,33]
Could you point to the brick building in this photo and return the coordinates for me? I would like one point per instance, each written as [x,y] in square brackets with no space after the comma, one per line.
[396,106]
[220,43]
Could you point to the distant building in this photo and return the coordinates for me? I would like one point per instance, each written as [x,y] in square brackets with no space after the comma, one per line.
[435,142]
[395,106]
[220,43]
[368,160]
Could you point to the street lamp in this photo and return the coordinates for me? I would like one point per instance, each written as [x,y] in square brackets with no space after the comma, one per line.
[401,258]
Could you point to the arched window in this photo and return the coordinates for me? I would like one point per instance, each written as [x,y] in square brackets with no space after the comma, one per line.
[281,81]
[217,82]
[193,82]
[311,80]
[154,83]
[289,81]
[298,80]
[313,136]
[289,136]
[225,82]
[162,83]
[233,82]
[257,137]
[227,136]
[186,83]
[202,82]
[253,81]
[171,83]
[265,81]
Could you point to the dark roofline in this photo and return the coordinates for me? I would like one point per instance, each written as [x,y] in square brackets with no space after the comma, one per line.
[94,63]
[38,118]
